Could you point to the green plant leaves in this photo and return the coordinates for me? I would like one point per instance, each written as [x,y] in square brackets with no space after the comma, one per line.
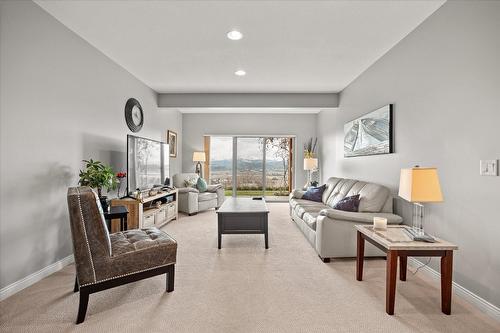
[97,175]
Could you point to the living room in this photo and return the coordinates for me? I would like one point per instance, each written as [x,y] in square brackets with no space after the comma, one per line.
[277,101]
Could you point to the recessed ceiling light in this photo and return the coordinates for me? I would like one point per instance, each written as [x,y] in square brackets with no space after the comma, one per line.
[234,35]
[240,72]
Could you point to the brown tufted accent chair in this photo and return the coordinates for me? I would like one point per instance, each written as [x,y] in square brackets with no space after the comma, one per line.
[105,260]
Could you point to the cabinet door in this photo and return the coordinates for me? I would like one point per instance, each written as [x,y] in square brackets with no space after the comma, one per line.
[160,216]
[148,220]
[171,211]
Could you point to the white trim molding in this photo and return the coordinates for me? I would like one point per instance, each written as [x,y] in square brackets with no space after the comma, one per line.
[31,279]
[480,303]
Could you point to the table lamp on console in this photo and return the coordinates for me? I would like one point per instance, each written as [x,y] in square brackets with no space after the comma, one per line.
[310,164]
[198,157]
[419,185]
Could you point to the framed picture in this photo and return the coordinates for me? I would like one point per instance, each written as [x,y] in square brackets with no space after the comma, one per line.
[370,134]
[172,143]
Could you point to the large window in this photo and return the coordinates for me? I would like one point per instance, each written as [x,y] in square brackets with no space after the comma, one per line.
[278,167]
[220,163]
[251,166]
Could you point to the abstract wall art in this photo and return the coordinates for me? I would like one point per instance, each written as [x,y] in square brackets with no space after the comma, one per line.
[370,134]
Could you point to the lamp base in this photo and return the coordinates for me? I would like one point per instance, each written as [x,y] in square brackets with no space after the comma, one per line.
[308,183]
[198,169]
[418,218]
[417,236]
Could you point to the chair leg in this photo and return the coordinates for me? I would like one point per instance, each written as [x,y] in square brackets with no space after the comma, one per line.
[170,278]
[82,308]
[76,288]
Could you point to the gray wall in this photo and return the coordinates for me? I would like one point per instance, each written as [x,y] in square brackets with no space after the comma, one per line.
[444,79]
[249,100]
[194,126]
[61,101]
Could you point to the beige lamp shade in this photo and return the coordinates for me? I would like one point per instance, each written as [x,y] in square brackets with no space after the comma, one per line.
[420,185]
[310,163]
[199,156]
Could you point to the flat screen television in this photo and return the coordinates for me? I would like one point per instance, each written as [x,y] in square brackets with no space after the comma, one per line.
[147,163]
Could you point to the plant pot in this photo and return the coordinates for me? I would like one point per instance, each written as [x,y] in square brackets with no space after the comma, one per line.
[104,203]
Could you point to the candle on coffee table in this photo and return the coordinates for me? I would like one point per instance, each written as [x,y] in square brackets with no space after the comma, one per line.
[380,223]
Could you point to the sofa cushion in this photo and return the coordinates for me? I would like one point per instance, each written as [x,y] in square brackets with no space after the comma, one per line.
[191,182]
[336,214]
[310,219]
[136,251]
[309,207]
[348,204]
[206,196]
[201,185]
[297,194]
[340,191]
[179,178]
[330,185]
[294,202]
[214,187]
[314,193]
[373,198]
[138,239]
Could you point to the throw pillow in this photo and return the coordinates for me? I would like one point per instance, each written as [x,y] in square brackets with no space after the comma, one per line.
[201,185]
[348,204]
[191,182]
[314,193]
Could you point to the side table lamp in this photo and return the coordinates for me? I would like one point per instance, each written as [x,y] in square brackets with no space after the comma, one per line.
[198,157]
[310,164]
[419,185]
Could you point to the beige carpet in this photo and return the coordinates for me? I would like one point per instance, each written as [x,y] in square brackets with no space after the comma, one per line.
[244,288]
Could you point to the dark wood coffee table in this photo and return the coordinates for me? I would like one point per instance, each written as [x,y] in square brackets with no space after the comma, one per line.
[242,216]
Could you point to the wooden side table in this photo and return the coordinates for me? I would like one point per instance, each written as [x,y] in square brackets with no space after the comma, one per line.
[396,243]
[117,212]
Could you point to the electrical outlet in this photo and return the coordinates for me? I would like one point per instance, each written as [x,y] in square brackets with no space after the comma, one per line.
[488,167]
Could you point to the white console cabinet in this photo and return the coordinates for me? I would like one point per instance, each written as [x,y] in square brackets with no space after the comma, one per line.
[145,213]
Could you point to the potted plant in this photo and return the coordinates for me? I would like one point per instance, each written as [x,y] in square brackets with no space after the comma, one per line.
[310,148]
[98,176]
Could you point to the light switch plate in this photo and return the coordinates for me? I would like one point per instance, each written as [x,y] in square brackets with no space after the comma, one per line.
[488,167]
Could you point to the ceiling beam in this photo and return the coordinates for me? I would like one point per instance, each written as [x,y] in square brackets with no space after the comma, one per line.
[249,100]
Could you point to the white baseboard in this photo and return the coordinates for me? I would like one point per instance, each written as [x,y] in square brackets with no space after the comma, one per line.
[480,303]
[19,285]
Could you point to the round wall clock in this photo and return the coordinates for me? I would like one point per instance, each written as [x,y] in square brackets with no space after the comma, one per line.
[134,115]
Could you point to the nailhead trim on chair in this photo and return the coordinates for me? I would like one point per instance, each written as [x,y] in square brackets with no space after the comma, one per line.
[119,276]
[85,233]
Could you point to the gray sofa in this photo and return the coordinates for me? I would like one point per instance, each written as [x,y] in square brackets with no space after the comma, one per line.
[331,232]
[191,201]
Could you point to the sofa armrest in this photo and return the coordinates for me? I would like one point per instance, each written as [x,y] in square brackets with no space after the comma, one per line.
[213,188]
[335,214]
[297,194]
[221,196]
[188,202]
[188,189]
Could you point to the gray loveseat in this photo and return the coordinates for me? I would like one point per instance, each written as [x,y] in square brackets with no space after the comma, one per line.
[191,201]
[331,232]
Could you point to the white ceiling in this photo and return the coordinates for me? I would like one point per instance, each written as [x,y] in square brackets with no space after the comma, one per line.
[288,46]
